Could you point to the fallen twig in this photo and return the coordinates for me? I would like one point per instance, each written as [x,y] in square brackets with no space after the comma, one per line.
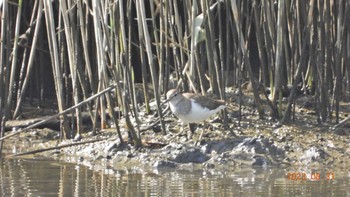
[341,123]
[156,122]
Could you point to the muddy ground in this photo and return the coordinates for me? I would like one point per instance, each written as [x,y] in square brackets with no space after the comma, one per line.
[245,141]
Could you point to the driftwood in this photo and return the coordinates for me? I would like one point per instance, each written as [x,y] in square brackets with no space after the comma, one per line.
[56,147]
[52,123]
[19,124]
[61,113]
[147,144]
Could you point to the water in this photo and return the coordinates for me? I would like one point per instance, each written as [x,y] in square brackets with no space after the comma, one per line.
[38,177]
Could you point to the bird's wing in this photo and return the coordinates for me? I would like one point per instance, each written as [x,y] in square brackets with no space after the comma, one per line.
[204,101]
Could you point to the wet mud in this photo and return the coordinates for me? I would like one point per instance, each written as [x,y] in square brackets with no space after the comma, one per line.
[242,141]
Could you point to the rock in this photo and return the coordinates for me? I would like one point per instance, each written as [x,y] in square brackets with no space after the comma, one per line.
[164,164]
[261,161]
[313,154]
[220,146]
[189,155]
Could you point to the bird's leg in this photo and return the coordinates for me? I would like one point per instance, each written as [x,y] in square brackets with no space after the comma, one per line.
[182,128]
[191,131]
[201,135]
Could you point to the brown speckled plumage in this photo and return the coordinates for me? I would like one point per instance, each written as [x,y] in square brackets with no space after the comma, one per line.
[190,107]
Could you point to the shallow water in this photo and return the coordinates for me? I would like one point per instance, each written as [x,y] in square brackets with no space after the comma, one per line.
[38,177]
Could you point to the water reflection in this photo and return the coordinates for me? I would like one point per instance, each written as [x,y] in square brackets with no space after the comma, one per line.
[36,177]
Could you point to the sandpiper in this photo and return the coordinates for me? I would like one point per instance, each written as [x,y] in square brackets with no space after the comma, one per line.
[193,108]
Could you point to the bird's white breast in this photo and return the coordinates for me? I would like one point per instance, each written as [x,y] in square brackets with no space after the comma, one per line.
[197,113]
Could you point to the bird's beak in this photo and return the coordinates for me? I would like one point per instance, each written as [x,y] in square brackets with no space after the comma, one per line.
[167,100]
[164,102]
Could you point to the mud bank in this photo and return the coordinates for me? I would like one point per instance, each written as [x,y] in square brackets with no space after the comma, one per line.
[237,146]
[248,141]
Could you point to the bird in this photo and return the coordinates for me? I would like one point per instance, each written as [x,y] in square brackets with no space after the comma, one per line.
[193,108]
